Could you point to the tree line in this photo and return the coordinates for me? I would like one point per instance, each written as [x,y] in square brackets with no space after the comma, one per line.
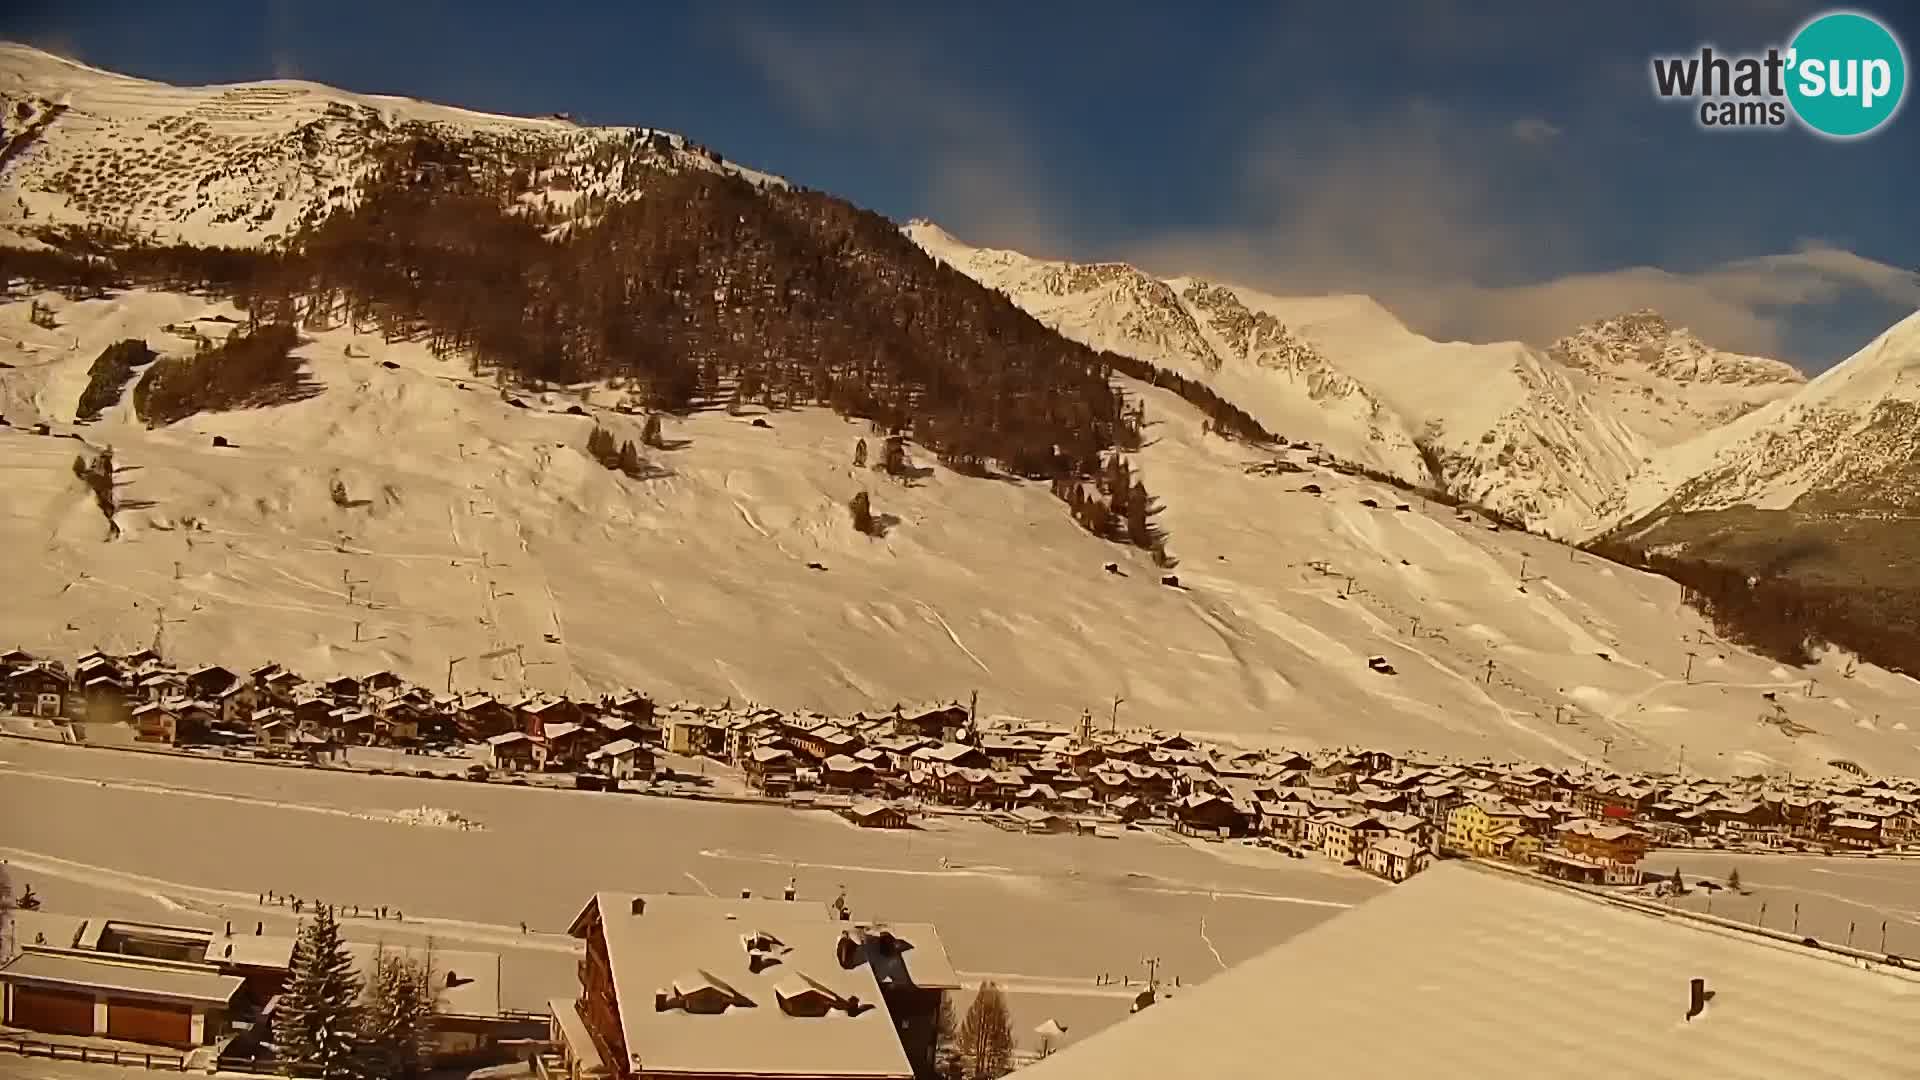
[248,369]
[1785,617]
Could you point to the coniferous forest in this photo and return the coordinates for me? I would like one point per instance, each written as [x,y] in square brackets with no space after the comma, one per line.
[695,288]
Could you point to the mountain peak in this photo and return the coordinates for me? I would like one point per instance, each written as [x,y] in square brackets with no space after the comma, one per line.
[1645,339]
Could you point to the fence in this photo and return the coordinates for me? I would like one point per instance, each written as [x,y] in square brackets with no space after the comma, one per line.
[95,1055]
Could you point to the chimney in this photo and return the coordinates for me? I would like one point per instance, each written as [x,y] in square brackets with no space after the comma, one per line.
[259,928]
[639,905]
[793,890]
[660,1001]
[1701,995]
[746,894]
[229,927]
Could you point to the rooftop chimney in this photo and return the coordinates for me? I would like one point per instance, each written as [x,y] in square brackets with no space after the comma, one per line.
[792,890]
[639,905]
[259,928]
[1701,995]
[746,894]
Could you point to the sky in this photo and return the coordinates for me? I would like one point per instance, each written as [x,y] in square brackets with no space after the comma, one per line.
[1489,171]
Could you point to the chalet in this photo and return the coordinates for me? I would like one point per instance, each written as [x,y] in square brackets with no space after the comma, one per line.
[636,708]
[622,759]
[259,676]
[1412,828]
[770,768]
[1208,815]
[823,741]
[703,988]
[1854,832]
[842,772]
[1394,858]
[1602,841]
[381,680]
[875,814]
[38,690]
[209,681]
[310,713]
[1524,786]
[160,686]
[139,659]
[480,716]
[1126,807]
[1616,799]
[536,715]
[511,751]
[942,722]
[236,703]
[566,745]
[105,700]
[1035,819]
[153,723]
[343,689]
[280,686]
[272,730]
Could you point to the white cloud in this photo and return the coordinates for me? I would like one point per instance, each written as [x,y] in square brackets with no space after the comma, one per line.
[889,88]
[1441,216]
[1534,129]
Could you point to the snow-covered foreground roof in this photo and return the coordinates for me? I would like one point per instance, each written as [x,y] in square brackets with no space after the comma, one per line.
[485,536]
[1468,972]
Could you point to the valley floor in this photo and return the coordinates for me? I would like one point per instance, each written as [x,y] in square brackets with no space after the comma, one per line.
[138,835]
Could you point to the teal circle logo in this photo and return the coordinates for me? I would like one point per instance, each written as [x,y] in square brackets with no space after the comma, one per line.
[1846,74]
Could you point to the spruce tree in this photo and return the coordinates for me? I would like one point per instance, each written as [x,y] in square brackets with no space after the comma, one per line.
[315,1026]
[630,462]
[398,1014]
[650,434]
[860,454]
[862,510]
[985,1041]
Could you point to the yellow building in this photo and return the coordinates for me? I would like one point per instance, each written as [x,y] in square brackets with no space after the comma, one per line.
[1487,828]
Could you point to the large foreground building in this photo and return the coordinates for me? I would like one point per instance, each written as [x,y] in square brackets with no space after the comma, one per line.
[715,988]
[1469,971]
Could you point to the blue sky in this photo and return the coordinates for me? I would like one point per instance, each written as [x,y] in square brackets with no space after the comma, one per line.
[1489,170]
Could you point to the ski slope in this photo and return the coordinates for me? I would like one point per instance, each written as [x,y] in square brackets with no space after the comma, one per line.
[481,535]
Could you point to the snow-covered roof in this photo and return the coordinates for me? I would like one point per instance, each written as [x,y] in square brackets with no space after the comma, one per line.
[1463,957]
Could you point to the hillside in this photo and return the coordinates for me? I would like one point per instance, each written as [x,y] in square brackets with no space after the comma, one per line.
[244,164]
[478,534]
[1797,518]
[1547,437]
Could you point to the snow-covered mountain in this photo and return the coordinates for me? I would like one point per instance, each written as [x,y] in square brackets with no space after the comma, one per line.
[1666,384]
[1849,441]
[239,165]
[1545,436]
[480,534]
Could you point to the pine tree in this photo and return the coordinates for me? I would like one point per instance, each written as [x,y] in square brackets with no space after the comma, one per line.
[1679,886]
[985,1041]
[860,454]
[397,1015]
[650,434]
[942,1054]
[630,462]
[862,509]
[1733,879]
[315,1027]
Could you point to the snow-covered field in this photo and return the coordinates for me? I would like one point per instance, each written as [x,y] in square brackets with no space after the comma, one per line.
[1043,915]
[481,528]
[1834,896]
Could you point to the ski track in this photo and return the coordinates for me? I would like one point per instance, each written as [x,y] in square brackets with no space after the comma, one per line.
[953,637]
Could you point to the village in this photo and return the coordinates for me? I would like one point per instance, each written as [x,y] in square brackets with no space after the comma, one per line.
[801,987]
[1389,816]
